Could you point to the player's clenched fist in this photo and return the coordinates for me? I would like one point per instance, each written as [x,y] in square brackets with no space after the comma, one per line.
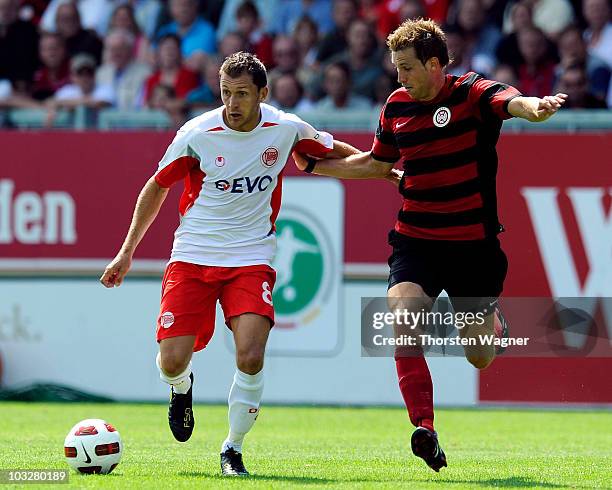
[300,160]
[116,271]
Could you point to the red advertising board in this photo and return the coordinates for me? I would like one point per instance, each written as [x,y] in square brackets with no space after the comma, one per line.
[70,196]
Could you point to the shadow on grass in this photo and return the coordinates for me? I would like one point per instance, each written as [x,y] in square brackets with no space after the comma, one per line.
[511,482]
[302,480]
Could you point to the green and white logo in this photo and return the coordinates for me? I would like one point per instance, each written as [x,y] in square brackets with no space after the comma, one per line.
[303,266]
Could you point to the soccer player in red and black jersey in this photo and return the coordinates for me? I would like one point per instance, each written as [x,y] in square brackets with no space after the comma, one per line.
[443,129]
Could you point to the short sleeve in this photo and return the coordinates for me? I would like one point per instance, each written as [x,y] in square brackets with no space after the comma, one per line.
[309,141]
[178,160]
[494,96]
[384,148]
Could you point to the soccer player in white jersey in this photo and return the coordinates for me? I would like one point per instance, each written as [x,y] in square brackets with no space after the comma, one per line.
[231,160]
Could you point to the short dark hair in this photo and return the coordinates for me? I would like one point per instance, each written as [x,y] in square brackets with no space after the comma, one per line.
[170,36]
[342,66]
[242,62]
[425,36]
[247,9]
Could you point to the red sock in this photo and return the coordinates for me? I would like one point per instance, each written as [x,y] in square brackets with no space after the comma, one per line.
[417,389]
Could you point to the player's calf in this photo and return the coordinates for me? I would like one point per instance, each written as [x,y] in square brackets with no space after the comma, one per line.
[180,408]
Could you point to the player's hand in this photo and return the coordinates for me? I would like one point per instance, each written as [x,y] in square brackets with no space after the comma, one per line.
[395,176]
[548,106]
[116,271]
[300,160]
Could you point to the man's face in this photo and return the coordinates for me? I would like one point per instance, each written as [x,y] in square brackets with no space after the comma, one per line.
[8,12]
[532,46]
[169,54]
[286,91]
[119,51]
[85,78]
[470,15]
[415,77]
[336,83]
[51,51]
[596,12]
[184,12]
[67,20]
[241,99]
[285,54]
[574,84]
[343,13]
[571,47]
[359,39]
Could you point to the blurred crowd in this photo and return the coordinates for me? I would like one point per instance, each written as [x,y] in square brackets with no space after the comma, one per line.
[320,54]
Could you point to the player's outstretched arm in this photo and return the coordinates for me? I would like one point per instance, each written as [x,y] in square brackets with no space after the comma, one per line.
[147,206]
[341,150]
[535,109]
[356,166]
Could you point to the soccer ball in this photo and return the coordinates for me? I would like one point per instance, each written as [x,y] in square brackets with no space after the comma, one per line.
[93,446]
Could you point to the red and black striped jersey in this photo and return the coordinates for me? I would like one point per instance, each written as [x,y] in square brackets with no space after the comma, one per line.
[447,149]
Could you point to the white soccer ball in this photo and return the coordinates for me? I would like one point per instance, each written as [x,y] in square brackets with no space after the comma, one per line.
[93,446]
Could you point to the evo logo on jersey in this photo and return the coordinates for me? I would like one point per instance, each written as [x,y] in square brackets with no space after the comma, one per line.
[244,184]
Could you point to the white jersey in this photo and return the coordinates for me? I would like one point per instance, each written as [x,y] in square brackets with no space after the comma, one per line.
[233,184]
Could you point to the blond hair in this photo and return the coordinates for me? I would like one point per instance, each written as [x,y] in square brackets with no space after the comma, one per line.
[425,36]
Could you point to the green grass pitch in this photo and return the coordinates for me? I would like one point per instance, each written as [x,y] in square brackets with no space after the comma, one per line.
[314,447]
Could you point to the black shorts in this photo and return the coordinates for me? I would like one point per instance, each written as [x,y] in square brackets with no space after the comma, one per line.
[464,269]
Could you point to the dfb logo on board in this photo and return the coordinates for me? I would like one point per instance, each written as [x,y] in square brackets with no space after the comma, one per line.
[269,156]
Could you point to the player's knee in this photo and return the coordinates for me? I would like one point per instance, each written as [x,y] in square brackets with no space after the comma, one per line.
[480,362]
[250,361]
[173,364]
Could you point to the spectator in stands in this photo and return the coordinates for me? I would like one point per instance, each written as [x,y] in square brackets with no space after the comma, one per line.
[286,57]
[146,14]
[54,72]
[268,10]
[78,40]
[94,14]
[459,61]
[573,81]
[519,17]
[290,11]
[81,91]
[573,51]
[306,36]
[480,37]
[335,41]
[124,18]
[250,26]
[232,42]
[18,49]
[197,35]
[287,94]
[171,72]
[382,89]
[505,74]
[121,71]
[164,99]
[383,16]
[536,74]
[337,87]
[363,58]
[412,9]
[599,32]
[208,94]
